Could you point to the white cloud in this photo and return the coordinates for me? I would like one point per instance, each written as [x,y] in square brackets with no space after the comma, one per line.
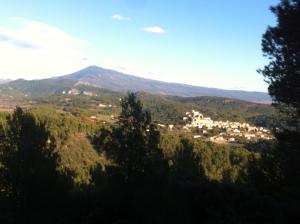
[121,18]
[38,50]
[154,29]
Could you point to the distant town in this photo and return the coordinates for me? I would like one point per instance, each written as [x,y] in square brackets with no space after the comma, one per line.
[219,131]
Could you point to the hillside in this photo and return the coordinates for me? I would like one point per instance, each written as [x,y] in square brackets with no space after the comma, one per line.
[43,87]
[167,110]
[232,109]
[172,109]
[113,80]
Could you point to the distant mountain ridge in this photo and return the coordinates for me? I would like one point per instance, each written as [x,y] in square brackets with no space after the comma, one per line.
[96,77]
[117,81]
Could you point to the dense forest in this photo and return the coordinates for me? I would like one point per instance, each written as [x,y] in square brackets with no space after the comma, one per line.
[57,166]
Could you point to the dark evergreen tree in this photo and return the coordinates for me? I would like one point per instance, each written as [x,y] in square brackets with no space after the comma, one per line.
[281,45]
[138,168]
[28,167]
[133,145]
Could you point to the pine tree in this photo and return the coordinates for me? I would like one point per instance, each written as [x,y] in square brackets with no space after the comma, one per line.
[28,166]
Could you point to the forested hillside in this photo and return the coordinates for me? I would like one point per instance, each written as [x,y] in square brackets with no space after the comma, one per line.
[82,98]
[167,110]
[94,169]
[220,108]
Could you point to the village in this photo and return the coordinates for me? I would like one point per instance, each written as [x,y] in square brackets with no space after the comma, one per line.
[229,131]
[219,131]
[198,126]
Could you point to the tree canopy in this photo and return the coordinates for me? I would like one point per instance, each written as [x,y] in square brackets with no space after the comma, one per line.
[281,45]
[28,160]
[133,145]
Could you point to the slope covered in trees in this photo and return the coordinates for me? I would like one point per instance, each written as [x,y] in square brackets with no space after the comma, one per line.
[126,172]
[163,109]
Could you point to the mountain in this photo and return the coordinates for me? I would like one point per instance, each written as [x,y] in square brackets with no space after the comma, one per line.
[94,78]
[117,81]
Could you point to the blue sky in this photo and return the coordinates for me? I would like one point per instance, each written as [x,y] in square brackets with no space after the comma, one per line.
[212,43]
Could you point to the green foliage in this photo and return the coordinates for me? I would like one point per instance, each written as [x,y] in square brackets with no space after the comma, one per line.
[221,162]
[128,179]
[185,164]
[163,110]
[76,155]
[62,125]
[281,44]
[28,164]
[169,143]
[133,145]
[278,171]
[218,162]
[77,158]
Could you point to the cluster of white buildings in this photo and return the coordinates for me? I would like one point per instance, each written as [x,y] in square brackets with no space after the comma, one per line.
[230,130]
[196,119]
[76,92]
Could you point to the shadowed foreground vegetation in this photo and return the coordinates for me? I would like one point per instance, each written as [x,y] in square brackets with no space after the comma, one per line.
[58,169]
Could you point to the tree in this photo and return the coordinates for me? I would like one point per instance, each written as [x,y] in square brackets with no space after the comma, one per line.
[133,145]
[138,169]
[281,44]
[29,164]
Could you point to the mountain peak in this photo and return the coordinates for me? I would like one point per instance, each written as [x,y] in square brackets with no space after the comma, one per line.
[92,67]
[90,72]
[117,81]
